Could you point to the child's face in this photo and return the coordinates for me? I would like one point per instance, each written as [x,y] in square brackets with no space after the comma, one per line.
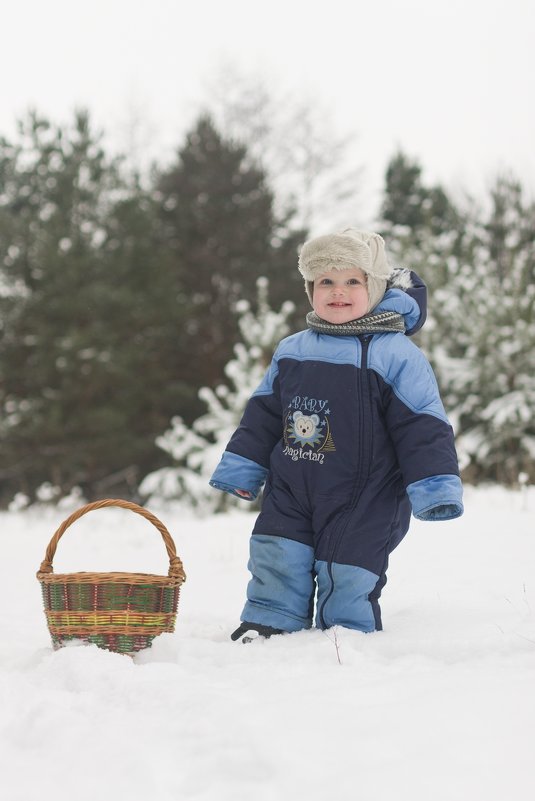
[340,295]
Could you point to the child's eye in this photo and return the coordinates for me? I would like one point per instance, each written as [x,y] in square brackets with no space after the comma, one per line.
[354,282]
[325,281]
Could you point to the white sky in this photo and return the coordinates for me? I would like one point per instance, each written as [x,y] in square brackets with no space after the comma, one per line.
[451,82]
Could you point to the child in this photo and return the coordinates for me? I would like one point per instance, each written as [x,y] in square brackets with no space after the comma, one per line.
[348,432]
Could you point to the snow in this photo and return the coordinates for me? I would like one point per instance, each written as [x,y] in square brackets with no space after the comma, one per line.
[439,705]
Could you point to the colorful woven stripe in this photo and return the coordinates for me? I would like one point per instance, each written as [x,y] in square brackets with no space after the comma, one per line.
[107,597]
[68,622]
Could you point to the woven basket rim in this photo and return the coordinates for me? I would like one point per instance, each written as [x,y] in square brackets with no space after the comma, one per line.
[90,577]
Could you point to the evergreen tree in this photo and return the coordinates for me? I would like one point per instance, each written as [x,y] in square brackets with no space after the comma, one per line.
[197,449]
[491,364]
[87,349]
[115,301]
[408,204]
[221,233]
[56,189]
[148,314]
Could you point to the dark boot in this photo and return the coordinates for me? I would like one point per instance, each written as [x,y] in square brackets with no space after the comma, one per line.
[263,631]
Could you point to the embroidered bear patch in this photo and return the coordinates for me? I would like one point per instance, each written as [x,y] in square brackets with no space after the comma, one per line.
[305,435]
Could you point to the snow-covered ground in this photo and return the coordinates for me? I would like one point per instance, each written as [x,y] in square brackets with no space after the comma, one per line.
[440,705]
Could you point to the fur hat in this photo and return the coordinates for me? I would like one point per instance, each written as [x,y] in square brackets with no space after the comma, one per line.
[347,250]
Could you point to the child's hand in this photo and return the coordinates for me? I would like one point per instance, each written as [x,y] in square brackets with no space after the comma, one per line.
[244,493]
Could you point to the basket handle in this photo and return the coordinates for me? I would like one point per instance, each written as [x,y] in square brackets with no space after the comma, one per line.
[176,569]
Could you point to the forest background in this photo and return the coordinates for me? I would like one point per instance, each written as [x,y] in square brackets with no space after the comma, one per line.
[139,303]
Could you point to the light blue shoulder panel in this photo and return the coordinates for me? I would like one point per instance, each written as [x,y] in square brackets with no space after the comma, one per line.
[404,368]
[311,346]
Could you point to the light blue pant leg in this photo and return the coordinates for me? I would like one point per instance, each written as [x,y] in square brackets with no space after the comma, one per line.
[343,596]
[281,590]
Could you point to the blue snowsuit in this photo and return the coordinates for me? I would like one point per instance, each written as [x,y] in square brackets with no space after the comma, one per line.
[348,433]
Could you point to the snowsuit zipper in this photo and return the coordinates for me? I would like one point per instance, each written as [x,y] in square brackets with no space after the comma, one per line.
[363,467]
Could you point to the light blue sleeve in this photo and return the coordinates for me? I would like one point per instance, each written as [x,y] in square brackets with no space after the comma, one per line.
[236,472]
[436,498]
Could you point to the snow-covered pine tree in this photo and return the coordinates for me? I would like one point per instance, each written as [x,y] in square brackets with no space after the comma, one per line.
[195,451]
[489,352]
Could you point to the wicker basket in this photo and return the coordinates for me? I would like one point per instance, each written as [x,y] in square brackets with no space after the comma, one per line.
[121,612]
